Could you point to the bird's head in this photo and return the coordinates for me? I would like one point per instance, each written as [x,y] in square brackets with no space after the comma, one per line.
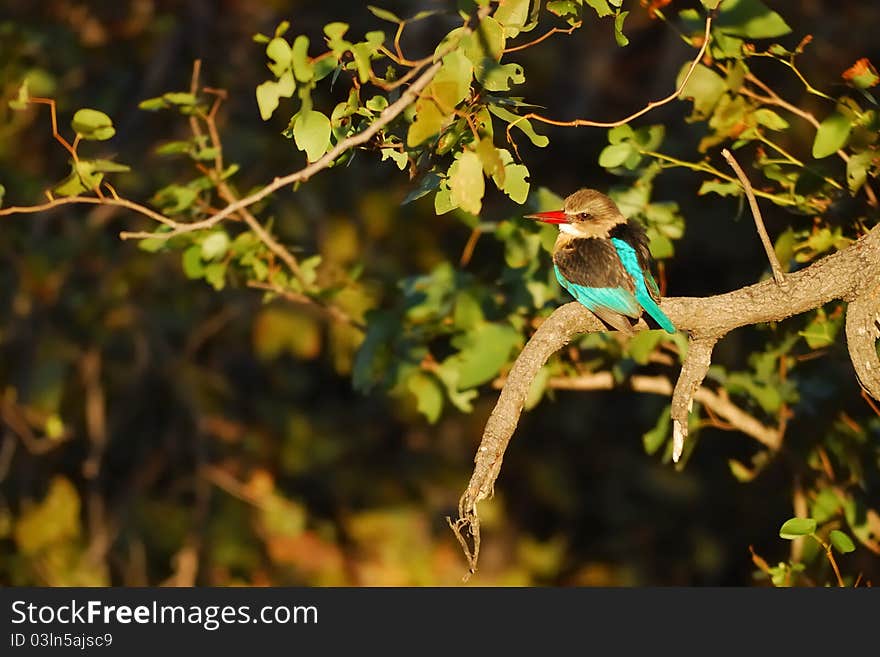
[586,213]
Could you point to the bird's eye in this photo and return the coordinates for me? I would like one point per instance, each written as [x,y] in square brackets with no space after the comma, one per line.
[585,216]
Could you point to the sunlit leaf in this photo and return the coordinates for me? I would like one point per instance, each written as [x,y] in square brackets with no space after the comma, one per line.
[428,121]
[466,182]
[797,527]
[384,14]
[841,541]
[751,19]
[311,133]
[93,125]
[428,393]
[481,353]
[512,15]
[831,135]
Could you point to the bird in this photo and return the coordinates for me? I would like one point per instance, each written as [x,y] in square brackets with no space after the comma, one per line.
[603,260]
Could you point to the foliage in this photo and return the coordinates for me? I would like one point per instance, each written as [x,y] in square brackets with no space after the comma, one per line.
[423,326]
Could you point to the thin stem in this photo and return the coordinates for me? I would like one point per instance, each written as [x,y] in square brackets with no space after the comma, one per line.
[647,108]
[756,213]
[555,30]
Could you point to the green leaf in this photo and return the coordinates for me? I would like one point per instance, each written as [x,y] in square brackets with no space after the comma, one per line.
[107,166]
[93,125]
[486,42]
[278,52]
[720,188]
[568,9]
[311,132]
[428,393]
[70,186]
[153,104]
[831,135]
[797,527]
[2,194]
[490,157]
[770,119]
[428,121]
[466,182]
[537,388]
[174,199]
[192,262]
[180,98]
[600,7]
[705,87]
[512,15]
[515,181]
[215,275]
[335,31]
[522,124]
[443,202]
[384,15]
[399,158]
[482,353]
[269,93]
[841,541]
[660,245]
[619,36]
[821,331]
[857,168]
[768,397]
[215,245]
[452,84]
[499,77]
[22,99]
[427,184]
[751,19]
[652,440]
[303,69]
[615,155]
[642,345]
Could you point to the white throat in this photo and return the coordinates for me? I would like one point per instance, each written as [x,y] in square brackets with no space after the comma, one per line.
[568,229]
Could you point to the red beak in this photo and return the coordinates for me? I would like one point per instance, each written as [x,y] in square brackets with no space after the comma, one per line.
[553,217]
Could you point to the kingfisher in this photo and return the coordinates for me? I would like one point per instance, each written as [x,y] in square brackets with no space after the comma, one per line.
[603,260]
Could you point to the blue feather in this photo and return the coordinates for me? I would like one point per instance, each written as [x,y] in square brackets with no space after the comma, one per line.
[630,261]
[614,298]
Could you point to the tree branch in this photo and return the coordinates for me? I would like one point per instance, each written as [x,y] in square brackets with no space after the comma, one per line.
[756,213]
[850,274]
[718,402]
[693,371]
[862,331]
[585,123]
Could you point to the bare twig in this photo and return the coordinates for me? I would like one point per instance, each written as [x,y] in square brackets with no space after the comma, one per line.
[92,200]
[547,35]
[717,402]
[585,123]
[756,213]
[334,312]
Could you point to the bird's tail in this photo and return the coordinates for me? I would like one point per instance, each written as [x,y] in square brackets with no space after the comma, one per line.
[656,314]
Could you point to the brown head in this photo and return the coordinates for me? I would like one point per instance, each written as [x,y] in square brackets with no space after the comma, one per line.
[585,213]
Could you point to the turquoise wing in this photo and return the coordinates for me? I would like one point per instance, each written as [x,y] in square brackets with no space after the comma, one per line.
[630,261]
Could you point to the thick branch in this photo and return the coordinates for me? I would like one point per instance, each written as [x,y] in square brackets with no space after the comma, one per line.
[862,331]
[843,275]
[693,371]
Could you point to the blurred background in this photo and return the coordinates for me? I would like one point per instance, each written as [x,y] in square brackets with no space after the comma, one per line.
[156,431]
